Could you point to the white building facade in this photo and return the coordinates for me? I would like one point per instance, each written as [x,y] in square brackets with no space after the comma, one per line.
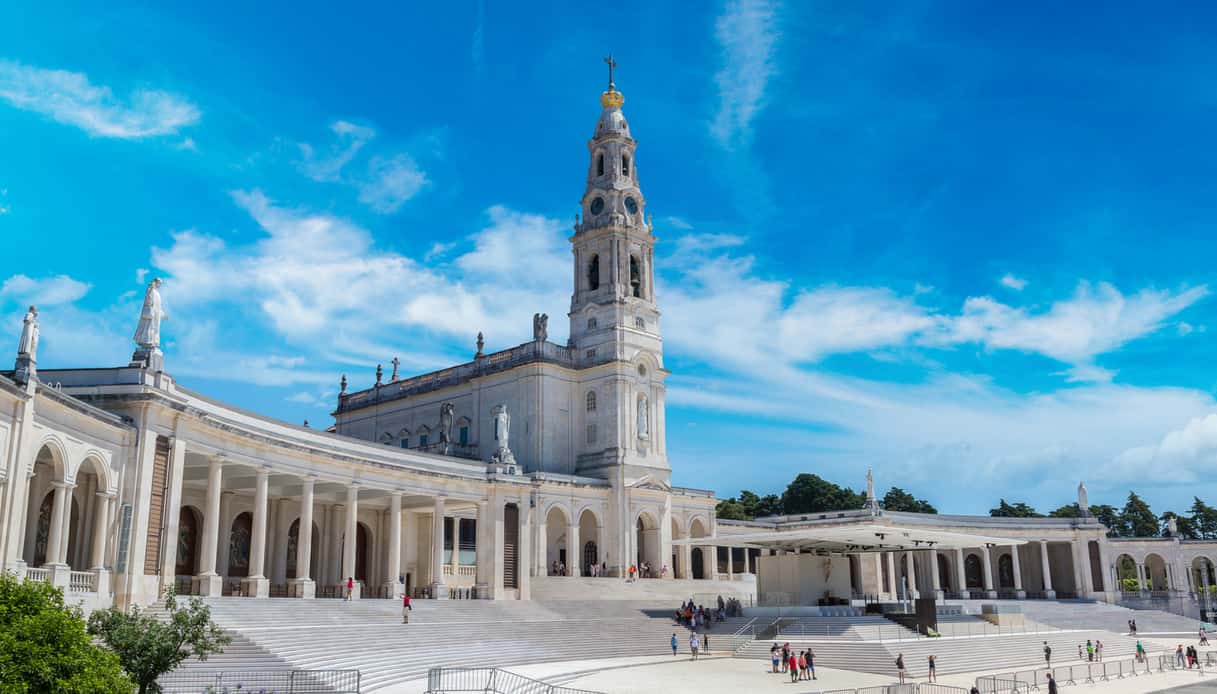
[118,484]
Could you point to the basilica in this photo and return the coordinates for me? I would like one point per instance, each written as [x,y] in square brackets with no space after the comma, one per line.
[498,478]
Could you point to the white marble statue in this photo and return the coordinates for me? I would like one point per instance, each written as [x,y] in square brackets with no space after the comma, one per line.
[446,411]
[644,427]
[28,346]
[1083,499]
[502,425]
[148,332]
[870,485]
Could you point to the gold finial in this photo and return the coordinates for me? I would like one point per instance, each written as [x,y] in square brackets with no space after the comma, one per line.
[611,98]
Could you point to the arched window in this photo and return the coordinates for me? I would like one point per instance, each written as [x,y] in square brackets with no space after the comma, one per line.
[591,323]
[635,276]
[1005,571]
[972,571]
[599,164]
[591,401]
[625,165]
[593,273]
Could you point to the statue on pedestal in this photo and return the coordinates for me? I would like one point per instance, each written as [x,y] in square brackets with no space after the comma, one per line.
[540,327]
[502,427]
[27,348]
[1083,500]
[148,333]
[445,422]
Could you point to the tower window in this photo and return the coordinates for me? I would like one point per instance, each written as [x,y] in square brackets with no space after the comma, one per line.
[593,273]
[464,436]
[422,441]
[635,276]
[640,324]
[591,401]
[600,165]
[591,323]
[405,442]
[625,165]
[591,433]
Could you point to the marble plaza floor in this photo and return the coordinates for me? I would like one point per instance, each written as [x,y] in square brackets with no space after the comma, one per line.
[719,674]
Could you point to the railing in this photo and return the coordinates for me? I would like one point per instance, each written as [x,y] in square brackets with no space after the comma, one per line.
[1089,673]
[743,636]
[82,582]
[907,688]
[998,685]
[277,681]
[484,679]
[897,632]
[461,570]
[32,574]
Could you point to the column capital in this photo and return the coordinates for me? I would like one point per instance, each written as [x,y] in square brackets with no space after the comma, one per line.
[106,494]
[63,484]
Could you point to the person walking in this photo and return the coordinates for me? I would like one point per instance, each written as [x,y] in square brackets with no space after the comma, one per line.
[675,643]
[1052,685]
[705,641]
[900,666]
[1080,656]
[1047,655]
[1140,652]
[774,654]
[794,667]
[933,676]
[811,663]
[694,644]
[1089,650]
[1098,650]
[405,609]
[350,586]
[1204,637]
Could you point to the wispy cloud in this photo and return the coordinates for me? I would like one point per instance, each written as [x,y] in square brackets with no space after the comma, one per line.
[1016,283]
[48,291]
[384,183]
[70,98]
[747,32]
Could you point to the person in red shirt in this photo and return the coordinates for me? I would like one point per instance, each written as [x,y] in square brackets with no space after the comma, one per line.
[350,586]
[405,609]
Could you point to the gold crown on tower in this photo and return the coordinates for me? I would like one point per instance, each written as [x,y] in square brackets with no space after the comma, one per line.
[611,98]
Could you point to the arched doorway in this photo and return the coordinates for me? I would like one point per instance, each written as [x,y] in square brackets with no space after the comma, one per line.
[1126,572]
[362,535]
[646,555]
[699,563]
[557,554]
[678,571]
[238,545]
[1155,573]
[42,537]
[973,572]
[293,550]
[591,557]
[1005,571]
[945,579]
[589,532]
[187,542]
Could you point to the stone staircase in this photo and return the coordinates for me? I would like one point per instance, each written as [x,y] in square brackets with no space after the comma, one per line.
[671,591]
[865,628]
[952,655]
[368,635]
[1081,614]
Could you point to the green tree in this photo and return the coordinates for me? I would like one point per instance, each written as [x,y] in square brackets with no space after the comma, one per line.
[44,647]
[1137,518]
[1110,518]
[1204,519]
[149,648]
[897,499]
[809,493]
[730,509]
[1018,510]
[1066,511]
[1186,529]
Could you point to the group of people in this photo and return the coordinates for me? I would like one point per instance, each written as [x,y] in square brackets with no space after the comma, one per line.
[645,570]
[800,666]
[1132,627]
[1188,658]
[1091,652]
[697,644]
[558,568]
[691,615]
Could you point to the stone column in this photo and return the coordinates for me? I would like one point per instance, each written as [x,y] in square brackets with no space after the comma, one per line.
[101,511]
[1046,569]
[890,558]
[730,562]
[911,558]
[686,559]
[526,512]
[541,564]
[172,513]
[57,540]
[988,571]
[393,570]
[485,552]
[961,576]
[439,589]
[303,585]
[664,536]
[454,559]
[711,566]
[1018,574]
[935,577]
[747,560]
[208,582]
[256,585]
[351,541]
[574,558]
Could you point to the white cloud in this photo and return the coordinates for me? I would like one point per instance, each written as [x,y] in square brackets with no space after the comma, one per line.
[438,250]
[386,182]
[49,291]
[70,98]
[747,32]
[1012,282]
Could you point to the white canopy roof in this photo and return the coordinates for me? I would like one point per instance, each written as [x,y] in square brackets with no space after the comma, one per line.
[868,537]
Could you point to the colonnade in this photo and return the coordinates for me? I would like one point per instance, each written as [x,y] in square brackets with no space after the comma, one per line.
[908,574]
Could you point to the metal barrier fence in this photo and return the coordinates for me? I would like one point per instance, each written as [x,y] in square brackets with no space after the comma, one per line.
[909,688]
[277,681]
[442,680]
[1089,673]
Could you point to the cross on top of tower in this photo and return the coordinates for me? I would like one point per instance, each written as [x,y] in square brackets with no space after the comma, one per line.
[611,64]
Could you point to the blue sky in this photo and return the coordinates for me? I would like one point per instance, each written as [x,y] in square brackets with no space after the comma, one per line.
[968,245]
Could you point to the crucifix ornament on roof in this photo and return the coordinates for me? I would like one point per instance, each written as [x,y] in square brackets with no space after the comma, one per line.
[611,64]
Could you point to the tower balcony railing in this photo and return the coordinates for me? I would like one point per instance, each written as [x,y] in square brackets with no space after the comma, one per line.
[457,450]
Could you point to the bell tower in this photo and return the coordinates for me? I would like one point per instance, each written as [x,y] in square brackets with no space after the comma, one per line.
[614,318]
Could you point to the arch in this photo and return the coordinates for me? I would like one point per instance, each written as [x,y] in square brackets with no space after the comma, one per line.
[635,276]
[1204,573]
[188,524]
[293,549]
[239,536]
[42,536]
[973,572]
[946,579]
[1005,571]
[1126,573]
[463,425]
[53,452]
[424,436]
[698,527]
[591,401]
[698,561]
[589,532]
[646,544]
[1156,573]
[593,273]
[625,165]
[591,323]
[94,463]
[591,556]
[558,552]
[363,539]
[600,163]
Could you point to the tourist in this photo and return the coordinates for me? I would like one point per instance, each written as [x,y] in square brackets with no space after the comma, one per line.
[705,641]
[632,571]
[1140,651]
[794,667]
[1133,622]
[1204,637]
[350,586]
[1098,650]
[1179,655]
[405,609]
[1052,685]
[664,572]
[1192,657]
[1080,655]
[774,654]
[1047,655]
[674,644]
[785,656]
[900,666]
[694,644]
[811,663]
[933,677]
[1089,650]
